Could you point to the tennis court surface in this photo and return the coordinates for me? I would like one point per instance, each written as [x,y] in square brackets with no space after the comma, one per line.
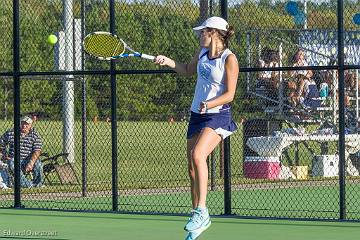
[31,224]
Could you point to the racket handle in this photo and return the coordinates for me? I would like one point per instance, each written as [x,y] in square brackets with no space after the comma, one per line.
[147,56]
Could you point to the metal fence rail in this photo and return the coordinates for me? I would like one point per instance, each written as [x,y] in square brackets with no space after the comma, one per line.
[113,133]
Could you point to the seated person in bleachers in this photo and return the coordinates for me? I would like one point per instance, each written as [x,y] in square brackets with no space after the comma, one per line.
[30,149]
[329,78]
[350,82]
[350,85]
[307,93]
[269,79]
[302,89]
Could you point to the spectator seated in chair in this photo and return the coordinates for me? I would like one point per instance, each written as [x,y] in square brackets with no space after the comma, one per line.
[303,90]
[307,94]
[269,80]
[30,149]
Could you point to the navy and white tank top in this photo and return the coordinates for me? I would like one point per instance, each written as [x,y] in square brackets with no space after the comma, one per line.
[210,80]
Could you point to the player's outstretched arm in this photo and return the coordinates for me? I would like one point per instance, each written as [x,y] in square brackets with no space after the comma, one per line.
[186,69]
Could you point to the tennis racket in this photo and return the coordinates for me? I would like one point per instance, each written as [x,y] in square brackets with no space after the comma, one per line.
[108,46]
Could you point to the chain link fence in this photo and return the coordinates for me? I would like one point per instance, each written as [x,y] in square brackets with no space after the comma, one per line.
[285,157]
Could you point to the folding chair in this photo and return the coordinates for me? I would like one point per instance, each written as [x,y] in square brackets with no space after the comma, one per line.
[63,170]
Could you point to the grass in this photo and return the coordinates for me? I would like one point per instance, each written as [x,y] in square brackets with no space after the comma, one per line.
[151,156]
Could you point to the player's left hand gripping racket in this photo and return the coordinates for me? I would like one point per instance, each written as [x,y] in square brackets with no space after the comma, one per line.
[107,46]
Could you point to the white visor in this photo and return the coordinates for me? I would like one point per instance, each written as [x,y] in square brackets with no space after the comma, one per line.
[213,22]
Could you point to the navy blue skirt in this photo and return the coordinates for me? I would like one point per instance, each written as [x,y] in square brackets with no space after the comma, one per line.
[222,123]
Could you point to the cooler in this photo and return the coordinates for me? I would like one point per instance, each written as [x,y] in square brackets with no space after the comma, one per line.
[262,167]
[326,166]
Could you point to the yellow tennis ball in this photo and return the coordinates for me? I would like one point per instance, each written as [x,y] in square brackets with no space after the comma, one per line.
[52,39]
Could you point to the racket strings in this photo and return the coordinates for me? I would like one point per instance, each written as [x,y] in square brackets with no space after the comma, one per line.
[119,48]
[103,45]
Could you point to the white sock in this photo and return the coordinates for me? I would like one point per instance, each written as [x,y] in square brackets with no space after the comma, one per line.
[202,209]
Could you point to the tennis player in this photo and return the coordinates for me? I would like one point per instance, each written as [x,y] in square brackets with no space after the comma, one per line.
[217,73]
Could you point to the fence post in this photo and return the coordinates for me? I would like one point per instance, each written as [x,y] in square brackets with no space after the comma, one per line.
[16,76]
[342,203]
[114,156]
[204,7]
[227,162]
[227,177]
[84,109]
[224,9]
[68,91]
